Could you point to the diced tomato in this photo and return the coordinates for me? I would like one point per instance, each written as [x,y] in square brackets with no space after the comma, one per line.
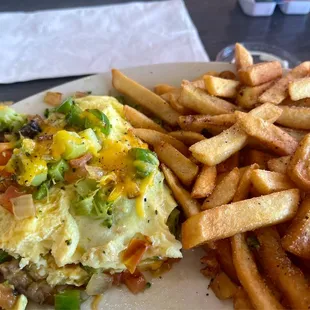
[11,192]
[118,278]
[75,174]
[7,298]
[5,156]
[134,253]
[135,282]
[81,161]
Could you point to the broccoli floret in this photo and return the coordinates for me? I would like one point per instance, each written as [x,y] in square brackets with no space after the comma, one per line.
[10,120]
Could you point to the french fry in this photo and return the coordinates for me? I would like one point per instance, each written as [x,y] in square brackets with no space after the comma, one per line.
[242,301]
[297,134]
[270,135]
[280,269]
[260,73]
[231,140]
[144,97]
[190,206]
[52,98]
[227,220]
[187,137]
[254,156]
[222,286]
[244,185]
[184,168]
[161,89]
[243,58]
[228,75]
[247,96]
[224,191]
[299,89]
[229,164]
[154,137]
[279,91]
[299,103]
[267,182]
[199,83]
[205,182]
[279,164]
[198,100]
[295,117]
[297,238]
[212,267]
[298,168]
[172,97]
[199,122]
[139,120]
[217,86]
[260,295]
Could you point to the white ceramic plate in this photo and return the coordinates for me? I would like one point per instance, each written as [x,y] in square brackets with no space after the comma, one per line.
[184,287]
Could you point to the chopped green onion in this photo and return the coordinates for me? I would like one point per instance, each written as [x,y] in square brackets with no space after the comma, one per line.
[4,256]
[42,192]
[148,285]
[66,106]
[85,187]
[107,223]
[144,155]
[56,171]
[143,169]
[105,125]
[85,206]
[173,222]
[67,300]
[74,116]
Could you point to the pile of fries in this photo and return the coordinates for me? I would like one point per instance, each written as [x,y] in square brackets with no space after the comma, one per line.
[235,152]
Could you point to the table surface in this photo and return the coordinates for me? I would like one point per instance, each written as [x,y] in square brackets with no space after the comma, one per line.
[219,23]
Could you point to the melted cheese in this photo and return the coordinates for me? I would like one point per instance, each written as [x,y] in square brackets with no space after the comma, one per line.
[143,188]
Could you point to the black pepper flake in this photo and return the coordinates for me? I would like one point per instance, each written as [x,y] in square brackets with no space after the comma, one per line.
[156,212]
[103,252]
[144,199]
[207,294]
[148,221]
[68,242]
[160,277]
[73,169]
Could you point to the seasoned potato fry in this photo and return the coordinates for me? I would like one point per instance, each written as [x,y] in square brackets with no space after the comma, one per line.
[279,91]
[144,97]
[243,58]
[190,206]
[212,267]
[299,103]
[231,140]
[153,137]
[52,98]
[139,120]
[161,89]
[229,164]
[260,295]
[184,168]
[172,97]
[260,73]
[227,75]
[254,156]
[247,96]
[299,89]
[217,86]
[187,137]
[199,122]
[297,134]
[295,117]
[244,185]
[205,182]
[198,100]
[267,182]
[222,286]
[228,220]
[270,135]
[199,83]
[242,301]
[224,191]
[279,164]
[288,278]
[297,238]
[298,168]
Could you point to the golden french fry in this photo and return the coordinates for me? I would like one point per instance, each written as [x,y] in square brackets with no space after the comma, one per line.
[198,100]
[298,168]
[254,156]
[267,182]
[184,168]
[268,134]
[295,117]
[260,73]
[199,122]
[187,137]
[139,120]
[222,286]
[227,220]
[279,164]
[243,58]
[242,301]
[144,97]
[199,83]
[299,89]
[260,295]
[299,103]
[229,164]
[231,140]
[288,278]
[190,206]
[279,91]
[172,97]
[205,182]
[161,89]
[297,237]
[244,185]
[297,134]
[224,191]
[52,98]
[247,96]
[217,86]
[228,75]
[154,137]
[212,267]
